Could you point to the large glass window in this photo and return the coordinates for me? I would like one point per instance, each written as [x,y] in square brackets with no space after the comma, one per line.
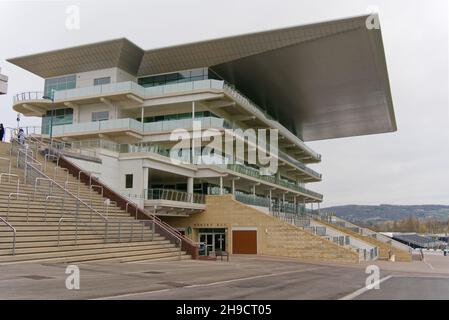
[60,83]
[178,116]
[100,81]
[100,116]
[60,117]
[177,77]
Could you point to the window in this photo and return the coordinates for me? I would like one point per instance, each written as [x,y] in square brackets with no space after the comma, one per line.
[60,83]
[100,116]
[128,181]
[60,117]
[100,81]
[175,77]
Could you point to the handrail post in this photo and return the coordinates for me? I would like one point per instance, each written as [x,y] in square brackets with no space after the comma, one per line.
[141,235]
[153,227]
[119,229]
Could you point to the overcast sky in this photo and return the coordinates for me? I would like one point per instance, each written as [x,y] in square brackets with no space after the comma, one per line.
[410,166]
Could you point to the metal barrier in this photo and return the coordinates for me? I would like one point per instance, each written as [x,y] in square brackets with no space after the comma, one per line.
[9,163]
[18,194]
[9,179]
[14,234]
[53,197]
[47,157]
[50,187]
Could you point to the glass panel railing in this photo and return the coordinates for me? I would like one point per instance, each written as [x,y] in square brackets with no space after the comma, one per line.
[173,195]
[110,88]
[83,127]
[183,87]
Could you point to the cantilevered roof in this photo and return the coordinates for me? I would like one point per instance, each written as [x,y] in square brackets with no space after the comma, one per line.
[322,81]
[120,53]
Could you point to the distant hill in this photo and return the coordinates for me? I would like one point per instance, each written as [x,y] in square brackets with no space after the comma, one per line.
[386,212]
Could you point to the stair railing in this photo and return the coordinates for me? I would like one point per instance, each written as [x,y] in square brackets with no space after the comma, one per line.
[14,231]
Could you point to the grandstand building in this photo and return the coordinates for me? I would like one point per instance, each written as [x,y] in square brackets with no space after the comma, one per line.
[3,83]
[111,108]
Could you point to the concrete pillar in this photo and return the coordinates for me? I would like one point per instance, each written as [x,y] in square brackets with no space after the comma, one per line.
[254,191]
[233,186]
[141,115]
[146,173]
[193,135]
[221,185]
[269,196]
[190,187]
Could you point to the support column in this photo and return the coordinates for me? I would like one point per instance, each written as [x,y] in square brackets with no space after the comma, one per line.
[141,116]
[221,185]
[190,187]
[233,187]
[295,205]
[254,191]
[145,184]
[269,196]
[193,134]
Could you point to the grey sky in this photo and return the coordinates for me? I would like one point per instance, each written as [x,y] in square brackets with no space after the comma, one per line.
[410,166]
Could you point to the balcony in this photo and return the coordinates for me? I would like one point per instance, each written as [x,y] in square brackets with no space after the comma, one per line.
[254,173]
[169,202]
[93,128]
[31,103]
[110,90]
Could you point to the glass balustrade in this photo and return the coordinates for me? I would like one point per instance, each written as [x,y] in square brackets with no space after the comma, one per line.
[173,195]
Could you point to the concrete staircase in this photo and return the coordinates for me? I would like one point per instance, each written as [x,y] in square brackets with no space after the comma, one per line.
[401,253]
[37,224]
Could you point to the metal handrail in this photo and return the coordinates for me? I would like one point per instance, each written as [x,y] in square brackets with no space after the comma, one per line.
[14,237]
[126,207]
[170,230]
[55,169]
[42,179]
[9,180]
[53,197]
[47,157]
[76,228]
[18,194]
[8,160]
[71,194]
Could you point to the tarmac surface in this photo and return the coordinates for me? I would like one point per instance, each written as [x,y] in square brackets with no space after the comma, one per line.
[244,277]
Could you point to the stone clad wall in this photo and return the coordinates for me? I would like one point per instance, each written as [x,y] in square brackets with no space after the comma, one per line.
[274,237]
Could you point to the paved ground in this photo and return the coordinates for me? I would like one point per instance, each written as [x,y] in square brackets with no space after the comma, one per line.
[245,277]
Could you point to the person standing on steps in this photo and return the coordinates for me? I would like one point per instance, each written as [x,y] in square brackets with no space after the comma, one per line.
[2,132]
[21,136]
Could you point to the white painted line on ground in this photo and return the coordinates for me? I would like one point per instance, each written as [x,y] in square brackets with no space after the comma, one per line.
[364,289]
[428,264]
[208,284]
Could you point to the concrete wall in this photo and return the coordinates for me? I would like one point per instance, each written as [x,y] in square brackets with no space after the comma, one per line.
[86,79]
[86,110]
[274,237]
[112,171]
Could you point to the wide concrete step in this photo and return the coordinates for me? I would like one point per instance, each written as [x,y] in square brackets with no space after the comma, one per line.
[144,245]
[91,254]
[67,242]
[112,237]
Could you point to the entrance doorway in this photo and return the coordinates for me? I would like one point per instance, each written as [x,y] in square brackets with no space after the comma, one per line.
[211,240]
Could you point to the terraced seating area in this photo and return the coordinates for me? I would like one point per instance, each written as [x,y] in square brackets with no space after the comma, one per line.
[64,221]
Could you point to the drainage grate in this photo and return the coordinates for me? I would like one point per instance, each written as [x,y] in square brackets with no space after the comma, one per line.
[36,277]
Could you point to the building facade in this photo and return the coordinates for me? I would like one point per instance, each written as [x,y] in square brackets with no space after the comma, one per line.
[3,83]
[120,111]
